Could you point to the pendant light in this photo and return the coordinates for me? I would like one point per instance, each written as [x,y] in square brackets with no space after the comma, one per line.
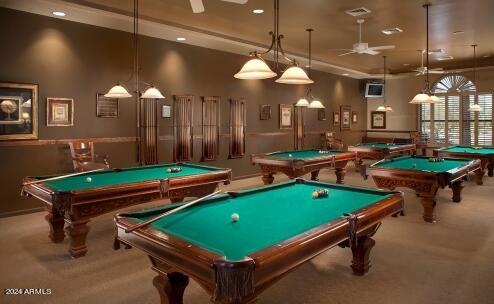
[475,107]
[426,96]
[257,68]
[308,100]
[119,91]
[384,107]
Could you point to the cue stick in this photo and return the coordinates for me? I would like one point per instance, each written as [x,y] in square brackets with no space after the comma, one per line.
[137,226]
[60,177]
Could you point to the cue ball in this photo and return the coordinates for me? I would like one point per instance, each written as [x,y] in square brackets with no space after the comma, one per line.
[88,179]
[289,155]
[235,217]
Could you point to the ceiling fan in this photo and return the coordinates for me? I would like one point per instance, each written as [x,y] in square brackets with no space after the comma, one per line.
[422,70]
[198,6]
[363,47]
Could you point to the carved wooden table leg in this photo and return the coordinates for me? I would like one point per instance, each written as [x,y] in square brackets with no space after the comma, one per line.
[314,175]
[340,175]
[78,230]
[56,222]
[361,253]
[479,175]
[490,168]
[428,203]
[171,287]
[456,187]
[267,178]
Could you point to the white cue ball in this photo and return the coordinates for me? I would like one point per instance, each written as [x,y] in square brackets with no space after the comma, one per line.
[289,155]
[235,217]
[88,179]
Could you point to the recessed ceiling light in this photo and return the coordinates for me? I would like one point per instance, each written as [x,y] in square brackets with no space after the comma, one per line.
[181,38]
[346,74]
[486,56]
[458,32]
[406,64]
[391,31]
[258,11]
[59,14]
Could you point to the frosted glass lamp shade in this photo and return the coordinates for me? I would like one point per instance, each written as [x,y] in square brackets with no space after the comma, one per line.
[152,92]
[316,104]
[434,99]
[302,102]
[388,109]
[421,98]
[381,108]
[118,91]
[255,68]
[294,75]
[475,108]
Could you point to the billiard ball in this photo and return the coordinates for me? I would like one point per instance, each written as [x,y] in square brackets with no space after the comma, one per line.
[88,179]
[414,165]
[235,217]
[289,155]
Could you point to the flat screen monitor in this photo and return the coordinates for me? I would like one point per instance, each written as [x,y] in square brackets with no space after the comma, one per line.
[374,90]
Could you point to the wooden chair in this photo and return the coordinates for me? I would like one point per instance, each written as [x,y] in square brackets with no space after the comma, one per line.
[84,158]
[332,143]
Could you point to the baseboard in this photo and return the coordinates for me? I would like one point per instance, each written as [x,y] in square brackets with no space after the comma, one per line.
[21,212]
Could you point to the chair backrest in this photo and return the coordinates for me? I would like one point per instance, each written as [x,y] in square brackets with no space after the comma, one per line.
[82,152]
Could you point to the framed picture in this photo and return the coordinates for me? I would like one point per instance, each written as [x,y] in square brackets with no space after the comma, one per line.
[166,111]
[106,107]
[286,116]
[321,114]
[336,118]
[18,111]
[378,120]
[354,117]
[346,117]
[265,112]
[59,112]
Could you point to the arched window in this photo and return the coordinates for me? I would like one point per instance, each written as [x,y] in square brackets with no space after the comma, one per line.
[450,122]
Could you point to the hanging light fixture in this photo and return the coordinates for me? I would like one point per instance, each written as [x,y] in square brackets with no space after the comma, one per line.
[119,91]
[384,107]
[257,68]
[426,96]
[475,107]
[308,100]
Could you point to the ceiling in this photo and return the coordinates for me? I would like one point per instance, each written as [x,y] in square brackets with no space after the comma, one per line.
[334,29]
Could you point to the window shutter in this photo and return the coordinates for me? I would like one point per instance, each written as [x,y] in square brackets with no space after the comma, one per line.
[440,121]
[453,114]
[485,120]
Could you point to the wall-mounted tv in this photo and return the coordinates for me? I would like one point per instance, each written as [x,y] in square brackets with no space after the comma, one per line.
[374,90]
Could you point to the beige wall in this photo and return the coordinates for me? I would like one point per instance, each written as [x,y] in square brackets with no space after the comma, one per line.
[73,60]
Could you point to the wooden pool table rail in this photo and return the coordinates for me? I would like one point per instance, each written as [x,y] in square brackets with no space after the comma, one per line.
[367,152]
[175,260]
[487,160]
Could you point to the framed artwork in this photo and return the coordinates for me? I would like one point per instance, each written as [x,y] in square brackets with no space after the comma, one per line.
[378,120]
[336,118]
[346,117]
[321,114]
[166,111]
[59,112]
[354,117]
[265,112]
[286,116]
[106,107]
[18,111]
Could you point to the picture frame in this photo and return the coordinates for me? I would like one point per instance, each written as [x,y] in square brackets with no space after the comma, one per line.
[336,118]
[59,112]
[321,114]
[354,117]
[18,111]
[378,120]
[106,107]
[346,117]
[166,111]
[286,116]
[264,112]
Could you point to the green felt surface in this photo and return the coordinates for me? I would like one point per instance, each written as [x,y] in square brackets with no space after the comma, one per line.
[422,164]
[125,176]
[268,215]
[303,154]
[379,145]
[468,149]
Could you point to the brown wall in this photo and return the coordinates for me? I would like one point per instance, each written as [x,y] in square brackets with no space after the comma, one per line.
[73,60]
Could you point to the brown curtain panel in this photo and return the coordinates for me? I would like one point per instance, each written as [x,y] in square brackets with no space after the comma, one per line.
[237,127]
[210,127]
[148,131]
[182,128]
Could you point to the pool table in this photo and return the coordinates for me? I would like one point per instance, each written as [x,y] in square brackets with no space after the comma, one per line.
[425,177]
[300,162]
[485,154]
[280,227]
[377,151]
[75,200]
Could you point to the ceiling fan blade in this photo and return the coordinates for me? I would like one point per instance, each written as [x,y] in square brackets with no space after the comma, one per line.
[197,6]
[436,69]
[419,74]
[348,53]
[435,72]
[236,1]
[382,47]
[369,51]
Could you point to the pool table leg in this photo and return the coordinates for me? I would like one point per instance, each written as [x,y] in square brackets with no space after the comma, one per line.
[361,254]
[340,175]
[490,169]
[56,222]
[78,230]
[171,287]
[267,178]
[457,186]
[314,175]
[479,175]
[428,203]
